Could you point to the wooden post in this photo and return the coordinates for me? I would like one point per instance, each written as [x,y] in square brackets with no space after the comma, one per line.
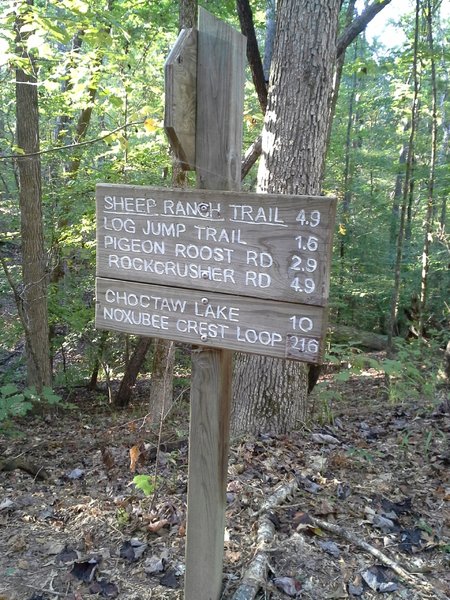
[278,311]
[220,94]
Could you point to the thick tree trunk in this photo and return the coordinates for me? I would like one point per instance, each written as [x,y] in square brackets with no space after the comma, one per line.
[270,394]
[350,32]
[34,273]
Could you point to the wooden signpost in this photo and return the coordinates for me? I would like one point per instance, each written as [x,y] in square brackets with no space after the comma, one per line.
[214,267]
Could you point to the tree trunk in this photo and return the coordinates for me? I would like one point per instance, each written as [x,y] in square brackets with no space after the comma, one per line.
[92,385]
[161,391]
[343,334]
[443,151]
[406,186]
[338,72]
[187,14]
[398,192]
[34,273]
[128,382]
[253,56]
[431,177]
[270,394]
[345,219]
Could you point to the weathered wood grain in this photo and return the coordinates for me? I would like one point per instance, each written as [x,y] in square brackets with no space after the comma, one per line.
[279,329]
[220,99]
[258,245]
[180,71]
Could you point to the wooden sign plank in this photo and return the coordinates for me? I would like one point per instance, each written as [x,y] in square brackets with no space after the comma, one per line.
[220,100]
[180,72]
[260,245]
[279,329]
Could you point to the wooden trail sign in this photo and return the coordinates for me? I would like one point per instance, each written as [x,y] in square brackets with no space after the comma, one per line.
[214,267]
[258,245]
[280,329]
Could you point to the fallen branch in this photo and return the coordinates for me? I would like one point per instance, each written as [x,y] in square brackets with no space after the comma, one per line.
[256,574]
[11,464]
[413,579]
[278,497]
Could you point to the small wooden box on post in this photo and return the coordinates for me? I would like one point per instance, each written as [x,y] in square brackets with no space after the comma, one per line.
[212,266]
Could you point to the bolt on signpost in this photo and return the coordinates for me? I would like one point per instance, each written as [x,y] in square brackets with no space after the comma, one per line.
[215,267]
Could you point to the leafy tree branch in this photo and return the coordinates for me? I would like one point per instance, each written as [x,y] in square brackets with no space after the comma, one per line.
[72,146]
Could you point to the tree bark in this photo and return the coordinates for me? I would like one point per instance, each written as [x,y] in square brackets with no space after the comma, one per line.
[128,382]
[345,39]
[34,266]
[270,394]
[187,14]
[161,391]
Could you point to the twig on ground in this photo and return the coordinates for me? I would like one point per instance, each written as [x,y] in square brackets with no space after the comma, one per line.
[45,590]
[414,579]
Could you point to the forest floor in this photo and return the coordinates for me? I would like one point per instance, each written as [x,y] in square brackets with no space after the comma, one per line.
[378,472]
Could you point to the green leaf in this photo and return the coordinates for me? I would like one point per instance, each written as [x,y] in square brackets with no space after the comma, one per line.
[343,376]
[50,396]
[31,393]
[144,483]
[8,390]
